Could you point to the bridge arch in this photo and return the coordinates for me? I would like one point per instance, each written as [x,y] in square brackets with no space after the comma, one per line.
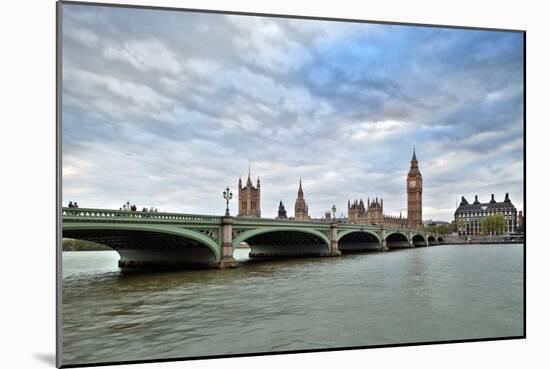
[439,239]
[149,244]
[397,240]
[284,241]
[372,233]
[431,240]
[358,240]
[419,240]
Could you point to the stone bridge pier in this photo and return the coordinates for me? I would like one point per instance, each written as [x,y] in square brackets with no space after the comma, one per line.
[226,255]
[384,244]
[334,250]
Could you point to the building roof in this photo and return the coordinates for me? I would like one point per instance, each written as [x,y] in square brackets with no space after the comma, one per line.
[491,206]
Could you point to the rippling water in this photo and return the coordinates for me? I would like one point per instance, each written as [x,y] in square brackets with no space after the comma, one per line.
[411,295]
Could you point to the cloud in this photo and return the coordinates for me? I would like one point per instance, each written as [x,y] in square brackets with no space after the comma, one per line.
[372,131]
[166,108]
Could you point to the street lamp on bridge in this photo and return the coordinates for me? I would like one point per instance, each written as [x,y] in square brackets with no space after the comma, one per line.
[227,195]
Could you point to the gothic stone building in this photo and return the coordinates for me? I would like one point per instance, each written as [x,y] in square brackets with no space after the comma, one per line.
[300,206]
[249,198]
[374,212]
[281,213]
[471,216]
[414,195]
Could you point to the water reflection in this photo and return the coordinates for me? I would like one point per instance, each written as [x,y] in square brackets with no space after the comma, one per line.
[424,294]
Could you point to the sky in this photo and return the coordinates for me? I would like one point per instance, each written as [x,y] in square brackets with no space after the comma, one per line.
[166,109]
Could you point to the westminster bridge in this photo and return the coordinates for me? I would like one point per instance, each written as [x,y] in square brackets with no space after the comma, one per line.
[173,239]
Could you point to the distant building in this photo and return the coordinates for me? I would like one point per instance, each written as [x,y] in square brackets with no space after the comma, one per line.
[435,223]
[249,198]
[300,207]
[281,214]
[469,217]
[414,195]
[373,213]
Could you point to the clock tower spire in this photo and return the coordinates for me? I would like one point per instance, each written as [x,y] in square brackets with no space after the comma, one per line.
[414,194]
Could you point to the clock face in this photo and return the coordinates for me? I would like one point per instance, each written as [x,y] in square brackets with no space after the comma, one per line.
[412,184]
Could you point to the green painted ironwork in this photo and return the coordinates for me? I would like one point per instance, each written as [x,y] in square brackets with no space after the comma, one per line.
[147,227]
[242,237]
[362,230]
[115,215]
[207,229]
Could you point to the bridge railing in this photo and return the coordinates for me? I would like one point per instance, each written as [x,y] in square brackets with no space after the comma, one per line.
[94,213]
[136,215]
[244,221]
[379,227]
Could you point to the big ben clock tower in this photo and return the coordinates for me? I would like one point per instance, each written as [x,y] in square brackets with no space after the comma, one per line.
[414,194]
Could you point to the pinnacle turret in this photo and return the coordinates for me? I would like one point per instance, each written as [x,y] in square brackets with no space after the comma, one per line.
[300,190]
[249,197]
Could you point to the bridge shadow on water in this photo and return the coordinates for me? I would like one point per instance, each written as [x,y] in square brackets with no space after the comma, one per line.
[125,280]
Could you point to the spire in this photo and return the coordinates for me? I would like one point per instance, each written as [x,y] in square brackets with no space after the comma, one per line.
[258,182]
[240,182]
[248,180]
[414,155]
[281,214]
[300,190]
[414,164]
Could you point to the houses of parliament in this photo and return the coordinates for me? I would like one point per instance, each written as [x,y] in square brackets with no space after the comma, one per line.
[358,212]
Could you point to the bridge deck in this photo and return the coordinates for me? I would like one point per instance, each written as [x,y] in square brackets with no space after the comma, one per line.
[194,237]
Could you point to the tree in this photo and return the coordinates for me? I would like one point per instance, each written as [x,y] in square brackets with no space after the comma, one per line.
[487,224]
[500,223]
[442,229]
[459,225]
[493,224]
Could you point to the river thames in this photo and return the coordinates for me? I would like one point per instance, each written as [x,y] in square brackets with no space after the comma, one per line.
[424,294]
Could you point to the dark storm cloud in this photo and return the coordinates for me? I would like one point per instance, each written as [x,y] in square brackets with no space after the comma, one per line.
[166,108]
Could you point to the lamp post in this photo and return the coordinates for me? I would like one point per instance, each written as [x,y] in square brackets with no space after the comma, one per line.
[227,195]
[334,212]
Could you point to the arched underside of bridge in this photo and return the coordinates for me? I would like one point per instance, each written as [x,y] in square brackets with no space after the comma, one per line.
[286,243]
[396,241]
[439,240]
[431,240]
[419,240]
[358,241]
[138,248]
